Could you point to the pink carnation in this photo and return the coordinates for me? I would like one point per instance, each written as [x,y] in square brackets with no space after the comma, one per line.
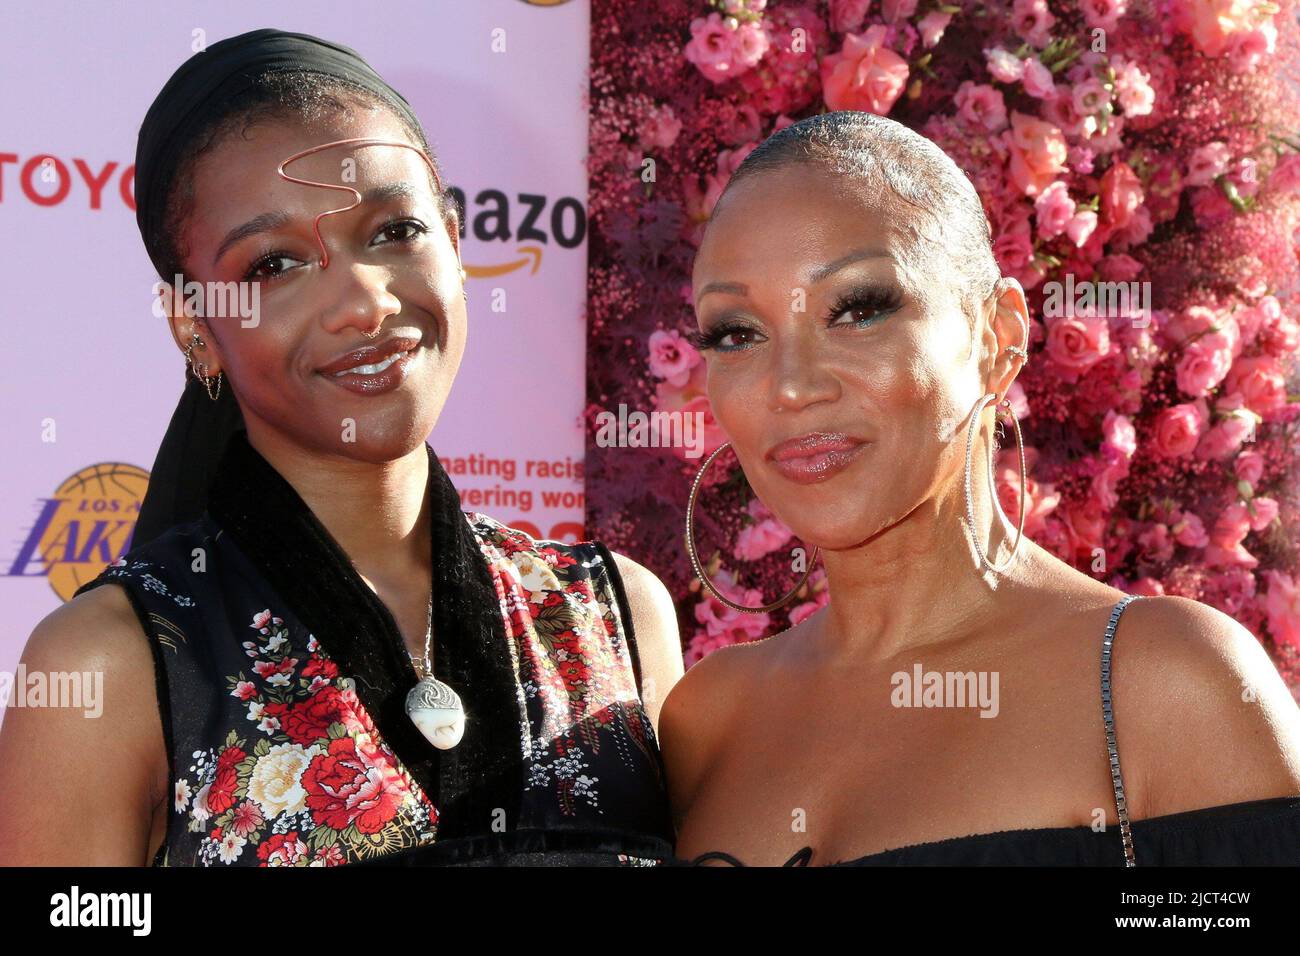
[1033,21]
[1103,14]
[672,357]
[981,105]
[721,53]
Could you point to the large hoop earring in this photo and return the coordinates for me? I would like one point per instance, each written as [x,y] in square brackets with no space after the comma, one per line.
[695,558]
[997,505]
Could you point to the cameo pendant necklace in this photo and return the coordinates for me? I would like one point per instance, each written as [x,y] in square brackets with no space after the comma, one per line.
[434,707]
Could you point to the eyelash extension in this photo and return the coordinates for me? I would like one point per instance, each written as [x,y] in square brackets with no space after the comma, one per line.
[871,298]
[271,255]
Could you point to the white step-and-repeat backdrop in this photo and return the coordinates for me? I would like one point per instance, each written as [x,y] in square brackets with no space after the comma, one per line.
[500,88]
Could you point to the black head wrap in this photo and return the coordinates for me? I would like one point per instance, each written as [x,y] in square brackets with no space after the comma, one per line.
[200,427]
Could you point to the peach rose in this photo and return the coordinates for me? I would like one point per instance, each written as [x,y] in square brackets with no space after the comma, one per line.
[1038,152]
[1260,383]
[865,75]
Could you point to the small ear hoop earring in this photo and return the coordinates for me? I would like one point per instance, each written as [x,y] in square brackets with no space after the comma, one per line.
[202,376]
[997,505]
[695,558]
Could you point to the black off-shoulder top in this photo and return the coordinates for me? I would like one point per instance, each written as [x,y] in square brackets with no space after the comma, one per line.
[1254,833]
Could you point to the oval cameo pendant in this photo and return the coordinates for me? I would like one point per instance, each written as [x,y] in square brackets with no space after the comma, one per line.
[436,709]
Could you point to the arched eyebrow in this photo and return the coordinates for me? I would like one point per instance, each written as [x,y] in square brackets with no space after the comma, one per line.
[817,275]
[270,221]
[857,255]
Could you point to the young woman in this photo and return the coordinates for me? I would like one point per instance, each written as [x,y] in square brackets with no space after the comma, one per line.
[348,668]
[851,417]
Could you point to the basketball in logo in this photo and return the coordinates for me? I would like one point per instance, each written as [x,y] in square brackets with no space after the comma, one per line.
[92,524]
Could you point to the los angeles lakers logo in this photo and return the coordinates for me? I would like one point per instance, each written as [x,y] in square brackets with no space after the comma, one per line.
[87,524]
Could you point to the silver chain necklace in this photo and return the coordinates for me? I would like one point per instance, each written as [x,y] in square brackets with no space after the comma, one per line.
[434,707]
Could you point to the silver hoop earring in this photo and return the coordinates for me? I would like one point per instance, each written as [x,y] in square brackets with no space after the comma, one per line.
[695,558]
[997,505]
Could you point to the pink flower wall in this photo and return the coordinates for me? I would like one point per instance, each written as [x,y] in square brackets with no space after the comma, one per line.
[1151,143]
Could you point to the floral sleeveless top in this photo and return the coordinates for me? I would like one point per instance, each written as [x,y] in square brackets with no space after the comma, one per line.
[281,687]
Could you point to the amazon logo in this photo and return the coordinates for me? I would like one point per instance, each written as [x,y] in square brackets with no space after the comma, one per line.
[530,222]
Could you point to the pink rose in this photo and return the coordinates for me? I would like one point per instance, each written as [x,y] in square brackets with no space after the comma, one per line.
[1230,530]
[1261,384]
[1177,429]
[760,539]
[721,53]
[1279,334]
[1038,152]
[1189,531]
[1121,194]
[865,75]
[1105,483]
[981,105]
[1155,544]
[1053,210]
[1223,440]
[1193,321]
[1249,467]
[1076,343]
[1252,46]
[1040,499]
[672,357]
[1264,512]
[1282,605]
[1204,364]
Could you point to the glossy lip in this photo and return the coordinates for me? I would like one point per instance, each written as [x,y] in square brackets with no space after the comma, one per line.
[377,383]
[815,457]
[370,354]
